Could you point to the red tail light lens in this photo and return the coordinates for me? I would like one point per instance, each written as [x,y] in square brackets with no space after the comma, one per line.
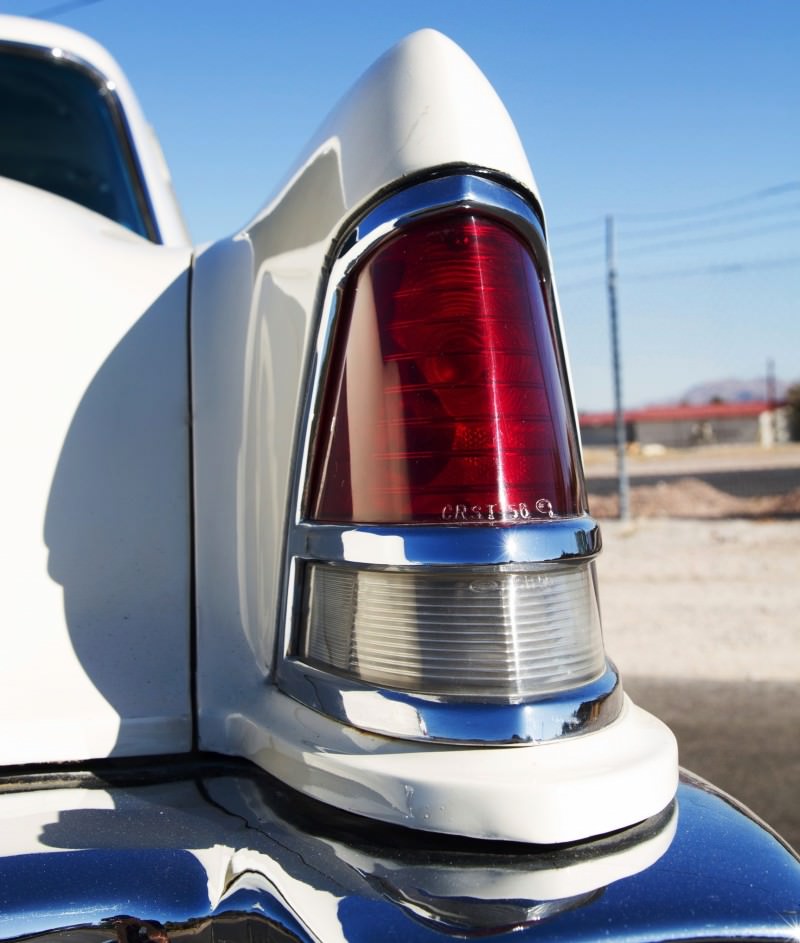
[444,399]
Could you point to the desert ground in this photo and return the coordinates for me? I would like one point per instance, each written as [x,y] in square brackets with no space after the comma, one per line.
[700,595]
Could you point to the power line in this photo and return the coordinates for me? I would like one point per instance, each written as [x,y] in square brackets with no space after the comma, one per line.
[719,269]
[597,222]
[586,259]
[57,9]
[595,259]
[578,286]
[561,248]
[766,193]
[722,268]
[650,232]
[734,236]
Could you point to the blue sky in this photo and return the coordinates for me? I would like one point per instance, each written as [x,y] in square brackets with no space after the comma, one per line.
[646,109]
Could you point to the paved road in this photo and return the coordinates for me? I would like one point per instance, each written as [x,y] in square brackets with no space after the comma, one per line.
[742,736]
[703,620]
[741,483]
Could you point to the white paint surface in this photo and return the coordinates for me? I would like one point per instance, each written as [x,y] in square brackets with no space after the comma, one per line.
[94,500]
[423,105]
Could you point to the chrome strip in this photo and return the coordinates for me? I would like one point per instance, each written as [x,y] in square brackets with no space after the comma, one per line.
[464,191]
[448,720]
[446,545]
[536,541]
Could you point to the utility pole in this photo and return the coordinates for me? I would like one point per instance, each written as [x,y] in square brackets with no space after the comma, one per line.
[622,466]
[772,401]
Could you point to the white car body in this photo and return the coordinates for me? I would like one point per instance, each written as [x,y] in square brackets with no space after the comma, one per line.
[162,775]
[109,532]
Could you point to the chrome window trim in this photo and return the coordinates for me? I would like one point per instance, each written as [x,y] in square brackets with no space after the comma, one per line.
[538,542]
[108,90]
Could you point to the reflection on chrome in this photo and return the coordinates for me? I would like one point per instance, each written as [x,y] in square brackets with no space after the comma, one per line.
[467,887]
[582,710]
[222,852]
[275,867]
[482,891]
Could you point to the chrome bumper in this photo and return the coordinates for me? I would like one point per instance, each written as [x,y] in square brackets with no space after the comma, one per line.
[220,853]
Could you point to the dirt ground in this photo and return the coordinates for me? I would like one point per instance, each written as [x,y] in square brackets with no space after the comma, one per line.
[703,599]
[691,498]
[700,596]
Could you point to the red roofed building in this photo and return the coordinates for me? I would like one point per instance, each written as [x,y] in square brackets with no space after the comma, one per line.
[750,421]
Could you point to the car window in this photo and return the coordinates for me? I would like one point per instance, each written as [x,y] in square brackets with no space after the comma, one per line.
[61,130]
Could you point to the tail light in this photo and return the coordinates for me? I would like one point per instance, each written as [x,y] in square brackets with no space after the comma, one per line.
[445,399]
[444,422]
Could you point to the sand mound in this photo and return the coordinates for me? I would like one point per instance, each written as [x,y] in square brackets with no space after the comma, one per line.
[693,498]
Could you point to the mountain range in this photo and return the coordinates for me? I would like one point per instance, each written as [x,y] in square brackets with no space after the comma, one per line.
[732,390]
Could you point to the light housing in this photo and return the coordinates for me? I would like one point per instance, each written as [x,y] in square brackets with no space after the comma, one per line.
[441,407]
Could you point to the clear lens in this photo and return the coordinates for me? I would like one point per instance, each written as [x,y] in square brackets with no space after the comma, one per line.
[495,635]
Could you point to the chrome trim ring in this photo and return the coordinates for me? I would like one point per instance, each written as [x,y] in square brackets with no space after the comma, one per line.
[462,191]
[447,720]
[417,545]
